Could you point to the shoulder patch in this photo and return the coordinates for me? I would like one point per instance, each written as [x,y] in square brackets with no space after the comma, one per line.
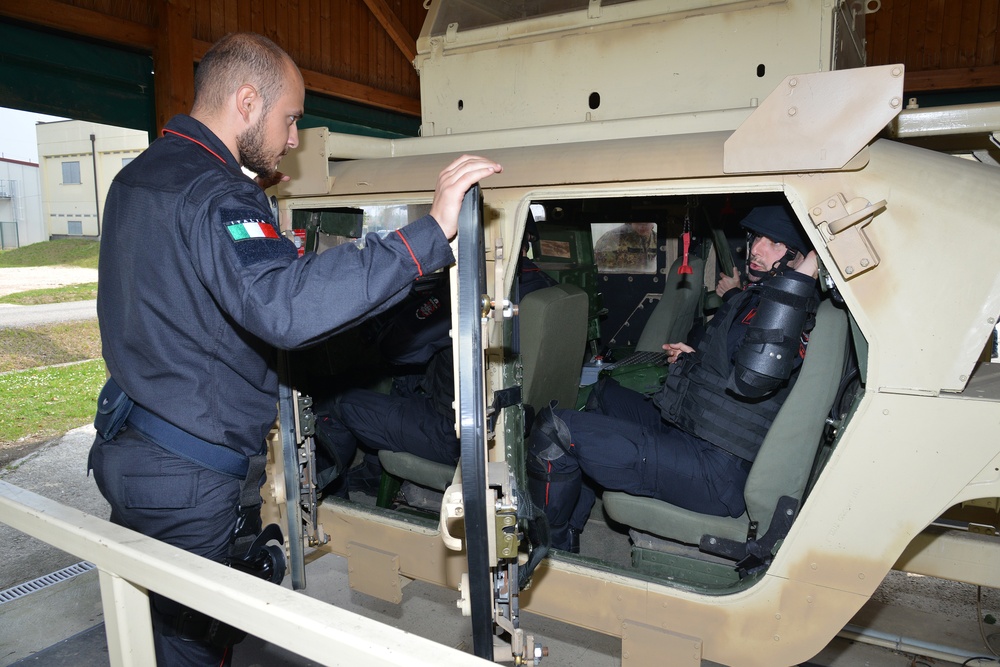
[245,228]
[255,238]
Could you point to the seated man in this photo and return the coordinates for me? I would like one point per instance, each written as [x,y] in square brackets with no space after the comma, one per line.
[693,442]
[417,416]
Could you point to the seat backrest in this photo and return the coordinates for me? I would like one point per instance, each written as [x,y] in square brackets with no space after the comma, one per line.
[553,324]
[673,317]
[786,456]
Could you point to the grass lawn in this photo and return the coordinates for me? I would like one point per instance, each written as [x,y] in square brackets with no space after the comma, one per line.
[49,375]
[47,345]
[81,292]
[43,403]
[61,252]
[43,400]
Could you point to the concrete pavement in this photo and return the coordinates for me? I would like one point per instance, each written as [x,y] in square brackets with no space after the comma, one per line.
[47,313]
[23,278]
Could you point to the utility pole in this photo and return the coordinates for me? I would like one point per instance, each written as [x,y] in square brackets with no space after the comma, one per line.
[97,197]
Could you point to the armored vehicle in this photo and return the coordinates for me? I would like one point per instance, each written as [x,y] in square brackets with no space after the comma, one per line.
[660,124]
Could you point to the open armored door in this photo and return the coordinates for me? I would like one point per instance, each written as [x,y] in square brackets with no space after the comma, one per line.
[472,421]
[489,498]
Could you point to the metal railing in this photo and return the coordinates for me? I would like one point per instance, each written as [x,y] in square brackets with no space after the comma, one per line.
[130,565]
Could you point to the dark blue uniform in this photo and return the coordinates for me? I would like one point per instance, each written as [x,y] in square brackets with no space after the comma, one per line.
[196,290]
[418,415]
[625,442]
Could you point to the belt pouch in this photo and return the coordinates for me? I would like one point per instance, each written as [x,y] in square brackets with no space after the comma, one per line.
[113,407]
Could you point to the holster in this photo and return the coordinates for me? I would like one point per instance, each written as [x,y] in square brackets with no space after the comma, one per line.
[113,408]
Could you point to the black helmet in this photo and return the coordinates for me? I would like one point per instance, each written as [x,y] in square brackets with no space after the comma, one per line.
[778,224]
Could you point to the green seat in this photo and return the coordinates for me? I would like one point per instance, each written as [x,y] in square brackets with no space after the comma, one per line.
[553,340]
[783,464]
[420,471]
[674,315]
[553,324]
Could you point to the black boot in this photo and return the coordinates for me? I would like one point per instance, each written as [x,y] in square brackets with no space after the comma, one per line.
[554,477]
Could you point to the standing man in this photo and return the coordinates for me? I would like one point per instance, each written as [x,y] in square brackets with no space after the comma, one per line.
[197,291]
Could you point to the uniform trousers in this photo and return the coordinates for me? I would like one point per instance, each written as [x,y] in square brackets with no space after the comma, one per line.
[621,443]
[380,421]
[161,495]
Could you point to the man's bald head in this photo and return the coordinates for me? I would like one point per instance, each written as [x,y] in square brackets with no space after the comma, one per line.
[239,59]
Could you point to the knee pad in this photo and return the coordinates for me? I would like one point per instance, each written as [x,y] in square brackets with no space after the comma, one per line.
[550,437]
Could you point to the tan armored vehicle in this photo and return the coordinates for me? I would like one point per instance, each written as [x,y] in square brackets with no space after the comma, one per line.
[671,119]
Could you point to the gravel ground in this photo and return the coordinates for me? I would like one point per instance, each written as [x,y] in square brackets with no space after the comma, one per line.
[22,279]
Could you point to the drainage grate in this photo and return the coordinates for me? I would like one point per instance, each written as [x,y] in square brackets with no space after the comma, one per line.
[19,591]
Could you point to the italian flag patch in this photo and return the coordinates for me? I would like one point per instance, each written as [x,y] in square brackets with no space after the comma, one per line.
[251,229]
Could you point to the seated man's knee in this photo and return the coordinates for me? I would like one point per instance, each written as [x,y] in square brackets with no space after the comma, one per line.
[550,437]
[554,478]
[335,449]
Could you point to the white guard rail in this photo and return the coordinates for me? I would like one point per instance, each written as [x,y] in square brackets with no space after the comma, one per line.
[131,564]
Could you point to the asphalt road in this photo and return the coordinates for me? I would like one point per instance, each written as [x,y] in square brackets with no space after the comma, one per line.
[48,313]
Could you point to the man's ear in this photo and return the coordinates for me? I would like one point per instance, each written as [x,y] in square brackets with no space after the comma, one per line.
[247,102]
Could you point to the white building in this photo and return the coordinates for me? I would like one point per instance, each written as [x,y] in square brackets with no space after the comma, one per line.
[71,153]
[21,221]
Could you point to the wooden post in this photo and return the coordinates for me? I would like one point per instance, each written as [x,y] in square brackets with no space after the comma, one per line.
[173,60]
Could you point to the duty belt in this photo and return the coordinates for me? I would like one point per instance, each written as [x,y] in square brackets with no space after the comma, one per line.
[115,409]
[177,441]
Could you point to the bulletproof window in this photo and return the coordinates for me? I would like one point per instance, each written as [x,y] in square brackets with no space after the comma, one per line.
[74,228]
[71,172]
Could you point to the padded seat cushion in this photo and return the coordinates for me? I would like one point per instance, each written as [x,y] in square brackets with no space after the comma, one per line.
[420,471]
[657,517]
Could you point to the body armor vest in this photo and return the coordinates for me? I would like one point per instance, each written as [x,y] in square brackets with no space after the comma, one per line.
[696,398]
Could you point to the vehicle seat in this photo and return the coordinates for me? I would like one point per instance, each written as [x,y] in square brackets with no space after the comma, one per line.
[673,317]
[783,464]
[553,340]
[553,324]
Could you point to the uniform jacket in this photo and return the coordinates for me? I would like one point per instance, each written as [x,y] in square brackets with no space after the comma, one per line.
[197,288]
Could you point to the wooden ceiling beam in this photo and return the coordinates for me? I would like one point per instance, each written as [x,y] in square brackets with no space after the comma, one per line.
[356,92]
[392,25]
[325,84]
[88,23]
[173,74]
[77,21]
[956,79]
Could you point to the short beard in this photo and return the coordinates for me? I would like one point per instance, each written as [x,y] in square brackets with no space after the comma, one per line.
[250,144]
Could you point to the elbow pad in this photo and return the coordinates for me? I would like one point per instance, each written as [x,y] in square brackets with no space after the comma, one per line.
[766,357]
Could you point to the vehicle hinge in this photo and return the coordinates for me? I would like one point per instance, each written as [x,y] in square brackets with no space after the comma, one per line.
[842,224]
[512,644]
[305,429]
[506,530]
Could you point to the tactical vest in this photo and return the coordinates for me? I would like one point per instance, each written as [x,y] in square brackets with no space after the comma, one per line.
[695,395]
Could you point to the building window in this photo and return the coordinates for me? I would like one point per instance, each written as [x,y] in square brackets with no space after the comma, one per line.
[126,160]
[71,172]
[74,228]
